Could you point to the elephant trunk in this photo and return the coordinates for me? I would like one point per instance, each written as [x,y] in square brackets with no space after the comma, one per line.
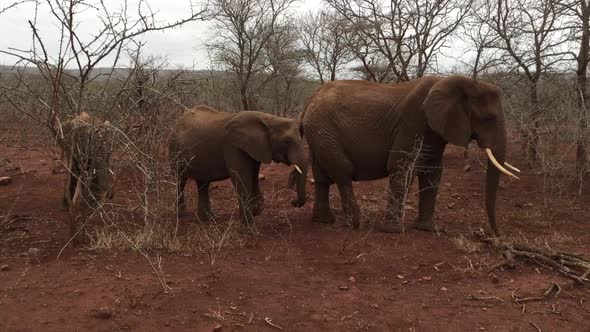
[497,151]
[298,177]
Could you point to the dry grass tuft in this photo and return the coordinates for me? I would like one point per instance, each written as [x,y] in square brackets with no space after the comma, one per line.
[464,244]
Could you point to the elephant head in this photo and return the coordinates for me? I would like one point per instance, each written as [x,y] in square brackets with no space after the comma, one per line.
[267,138]
[460,109]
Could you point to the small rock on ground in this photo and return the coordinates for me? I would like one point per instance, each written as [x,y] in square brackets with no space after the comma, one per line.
[102,313]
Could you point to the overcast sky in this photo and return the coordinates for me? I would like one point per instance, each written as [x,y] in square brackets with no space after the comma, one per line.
[181,46]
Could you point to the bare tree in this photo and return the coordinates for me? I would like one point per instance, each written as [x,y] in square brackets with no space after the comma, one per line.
[322,35]
[242,31]
[284,60]
[116,30]
[481,40]
[532,37]
[409,34]
[67,80]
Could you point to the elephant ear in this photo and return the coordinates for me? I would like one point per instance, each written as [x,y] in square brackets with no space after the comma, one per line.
[446,110]
[248,132]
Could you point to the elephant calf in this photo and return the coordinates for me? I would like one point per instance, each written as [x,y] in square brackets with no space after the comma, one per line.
[86,147]
[209,146]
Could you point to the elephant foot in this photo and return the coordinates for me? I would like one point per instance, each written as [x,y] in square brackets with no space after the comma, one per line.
[182,213]
[424,226]
[257,210]
[323,218]
[353,223]
[257,204]
[390,227]
[296,203]
[205,217]
[246,228]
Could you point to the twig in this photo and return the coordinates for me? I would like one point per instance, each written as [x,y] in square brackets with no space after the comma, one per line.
[269,322]
[437,265]
[483,298]
[536,326]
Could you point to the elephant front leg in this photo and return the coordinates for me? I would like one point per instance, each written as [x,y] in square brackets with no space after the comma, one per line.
[258,200]
[204,213]
[244,187]
[429,182]
[351,208]
[180,201]
[399,187]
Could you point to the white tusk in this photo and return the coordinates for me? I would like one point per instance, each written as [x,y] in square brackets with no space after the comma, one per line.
[497,164]
[298,169]
[511,167]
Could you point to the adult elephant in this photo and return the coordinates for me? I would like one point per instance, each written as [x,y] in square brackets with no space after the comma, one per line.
[86,142]
[359,130]
[209,146]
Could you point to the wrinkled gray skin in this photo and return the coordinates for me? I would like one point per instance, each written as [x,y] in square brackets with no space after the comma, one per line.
[87,150]
[359,130]
[209,146]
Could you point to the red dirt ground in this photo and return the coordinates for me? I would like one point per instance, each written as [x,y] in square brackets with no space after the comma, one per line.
[300,276]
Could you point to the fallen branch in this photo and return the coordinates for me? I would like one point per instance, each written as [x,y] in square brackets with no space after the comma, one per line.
[572,266]
[553,288]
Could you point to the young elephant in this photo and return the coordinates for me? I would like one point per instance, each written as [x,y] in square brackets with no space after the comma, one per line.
[211,146]
[86,147]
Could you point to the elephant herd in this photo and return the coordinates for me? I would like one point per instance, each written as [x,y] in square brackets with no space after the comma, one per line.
[356,131]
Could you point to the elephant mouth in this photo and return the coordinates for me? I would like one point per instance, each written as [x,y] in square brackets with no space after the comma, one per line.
[501,168]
